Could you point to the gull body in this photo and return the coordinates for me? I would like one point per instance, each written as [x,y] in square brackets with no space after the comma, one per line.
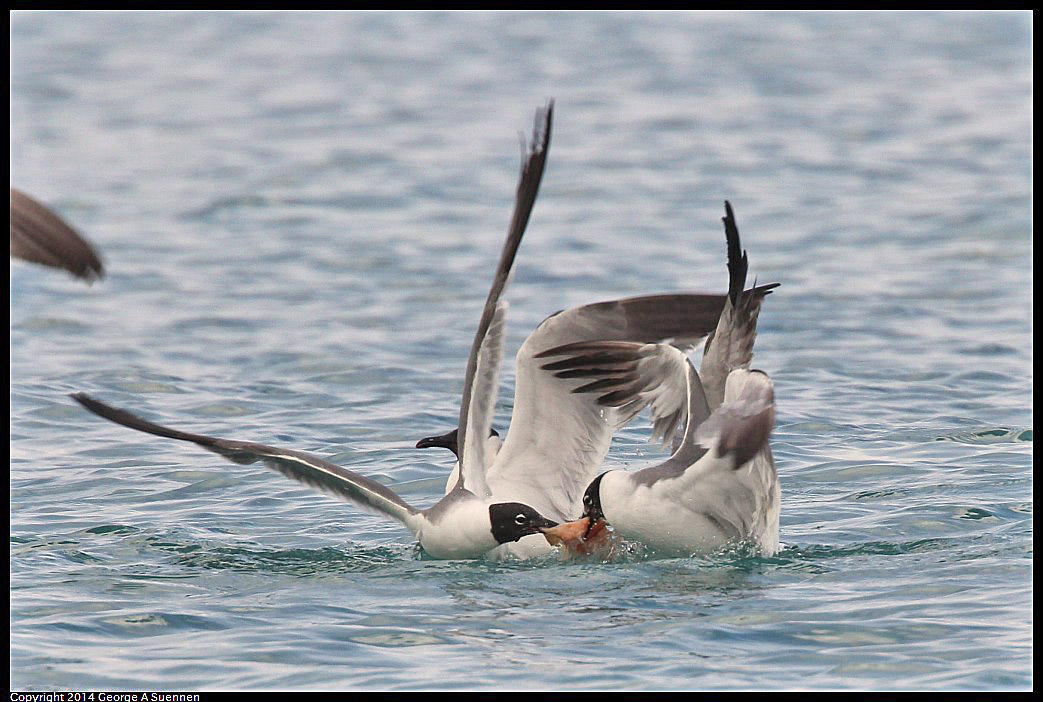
[719,484]
[730,494]
[559,434]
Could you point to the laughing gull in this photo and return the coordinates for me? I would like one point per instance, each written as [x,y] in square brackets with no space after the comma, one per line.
[560,434]
[39,235]
[460,525]
[471,520]
[719,484]
[719,487]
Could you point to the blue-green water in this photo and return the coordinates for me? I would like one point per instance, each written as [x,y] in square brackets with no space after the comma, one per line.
[300,214]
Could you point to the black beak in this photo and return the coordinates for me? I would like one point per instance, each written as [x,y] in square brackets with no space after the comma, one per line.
[545,524]
[593,515]
[447,441]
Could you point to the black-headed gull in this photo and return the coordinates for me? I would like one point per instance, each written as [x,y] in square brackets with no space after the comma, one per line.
[565,411]
[460,525]
[719,485]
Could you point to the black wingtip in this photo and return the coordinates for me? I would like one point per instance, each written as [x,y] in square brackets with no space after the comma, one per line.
[101,409]
[737,261]
[547,113]
[84,399]
[113,414]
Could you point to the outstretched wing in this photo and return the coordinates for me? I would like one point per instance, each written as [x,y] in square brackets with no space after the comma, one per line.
[731,344]
[41,236]
[571,394]
[629,376]
[480,384]
[626,377]
[681,319]
[299,466]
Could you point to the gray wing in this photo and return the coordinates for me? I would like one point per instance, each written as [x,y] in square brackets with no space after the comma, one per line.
[559,437]
[741,426]
[724,468]
[628,377]
[682,319]
[571,395]
[484,393]
[472,458]
[678,319]
[299,466]
[39,235]
[728,439]
[730,346]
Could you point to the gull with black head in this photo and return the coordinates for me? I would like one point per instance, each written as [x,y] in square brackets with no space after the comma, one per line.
[719,485]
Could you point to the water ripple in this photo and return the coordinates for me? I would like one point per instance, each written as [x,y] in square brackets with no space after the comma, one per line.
[299,213]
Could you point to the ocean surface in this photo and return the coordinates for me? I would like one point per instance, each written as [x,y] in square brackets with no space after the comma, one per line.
[300,215]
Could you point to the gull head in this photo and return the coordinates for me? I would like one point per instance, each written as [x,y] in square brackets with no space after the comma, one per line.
[511,521]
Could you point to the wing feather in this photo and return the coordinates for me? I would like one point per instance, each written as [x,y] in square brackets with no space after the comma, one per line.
[731,344]
[486,390]
[472,474]
[39,235]
[296,465]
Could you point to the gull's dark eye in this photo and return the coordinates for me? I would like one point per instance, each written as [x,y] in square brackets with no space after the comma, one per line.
[520,519]
[586,500]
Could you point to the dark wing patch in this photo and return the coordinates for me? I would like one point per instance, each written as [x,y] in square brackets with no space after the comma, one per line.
[742,425]
[625,375]
[613,362]
[39,235]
